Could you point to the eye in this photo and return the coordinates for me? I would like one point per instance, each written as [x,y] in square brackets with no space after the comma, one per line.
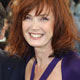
[44,18]
[28,18]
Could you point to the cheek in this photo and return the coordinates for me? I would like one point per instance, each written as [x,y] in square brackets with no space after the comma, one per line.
[49,28]
[24,26]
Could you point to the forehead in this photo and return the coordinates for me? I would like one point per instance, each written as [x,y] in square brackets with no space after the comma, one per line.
[38,8]
[34,12]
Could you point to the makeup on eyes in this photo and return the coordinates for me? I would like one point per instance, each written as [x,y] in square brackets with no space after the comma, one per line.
[42,17]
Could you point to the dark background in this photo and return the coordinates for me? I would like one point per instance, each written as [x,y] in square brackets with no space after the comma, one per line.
[5,2]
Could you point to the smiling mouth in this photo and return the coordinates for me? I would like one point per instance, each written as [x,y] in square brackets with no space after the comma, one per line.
[36,35]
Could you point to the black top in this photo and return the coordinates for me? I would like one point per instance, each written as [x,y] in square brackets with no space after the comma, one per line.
[11,67]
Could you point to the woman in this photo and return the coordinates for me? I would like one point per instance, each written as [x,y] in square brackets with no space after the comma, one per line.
[46,30]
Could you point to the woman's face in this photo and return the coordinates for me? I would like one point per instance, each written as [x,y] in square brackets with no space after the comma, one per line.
[38,30]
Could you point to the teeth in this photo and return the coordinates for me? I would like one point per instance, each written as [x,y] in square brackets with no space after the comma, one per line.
[36,35]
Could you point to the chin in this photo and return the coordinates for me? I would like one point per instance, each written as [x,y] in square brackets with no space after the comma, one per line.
[36,45]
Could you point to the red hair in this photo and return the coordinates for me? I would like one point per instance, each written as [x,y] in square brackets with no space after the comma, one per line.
[65,32]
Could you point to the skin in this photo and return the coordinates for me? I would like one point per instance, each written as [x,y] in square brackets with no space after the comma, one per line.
[38,32]
[38,25]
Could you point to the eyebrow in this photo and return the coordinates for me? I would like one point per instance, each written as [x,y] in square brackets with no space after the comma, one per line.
[44,15]
[39,15]
[28,15]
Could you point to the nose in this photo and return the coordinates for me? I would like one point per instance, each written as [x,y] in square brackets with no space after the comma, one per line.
[35,24]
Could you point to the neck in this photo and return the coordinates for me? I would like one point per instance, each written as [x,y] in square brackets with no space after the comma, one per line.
[42,56]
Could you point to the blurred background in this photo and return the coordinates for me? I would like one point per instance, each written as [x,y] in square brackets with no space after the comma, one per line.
[6,19]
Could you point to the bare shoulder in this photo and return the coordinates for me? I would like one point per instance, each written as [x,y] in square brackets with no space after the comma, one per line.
[28,69]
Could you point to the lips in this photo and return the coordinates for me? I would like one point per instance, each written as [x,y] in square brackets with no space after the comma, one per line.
[36,35]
